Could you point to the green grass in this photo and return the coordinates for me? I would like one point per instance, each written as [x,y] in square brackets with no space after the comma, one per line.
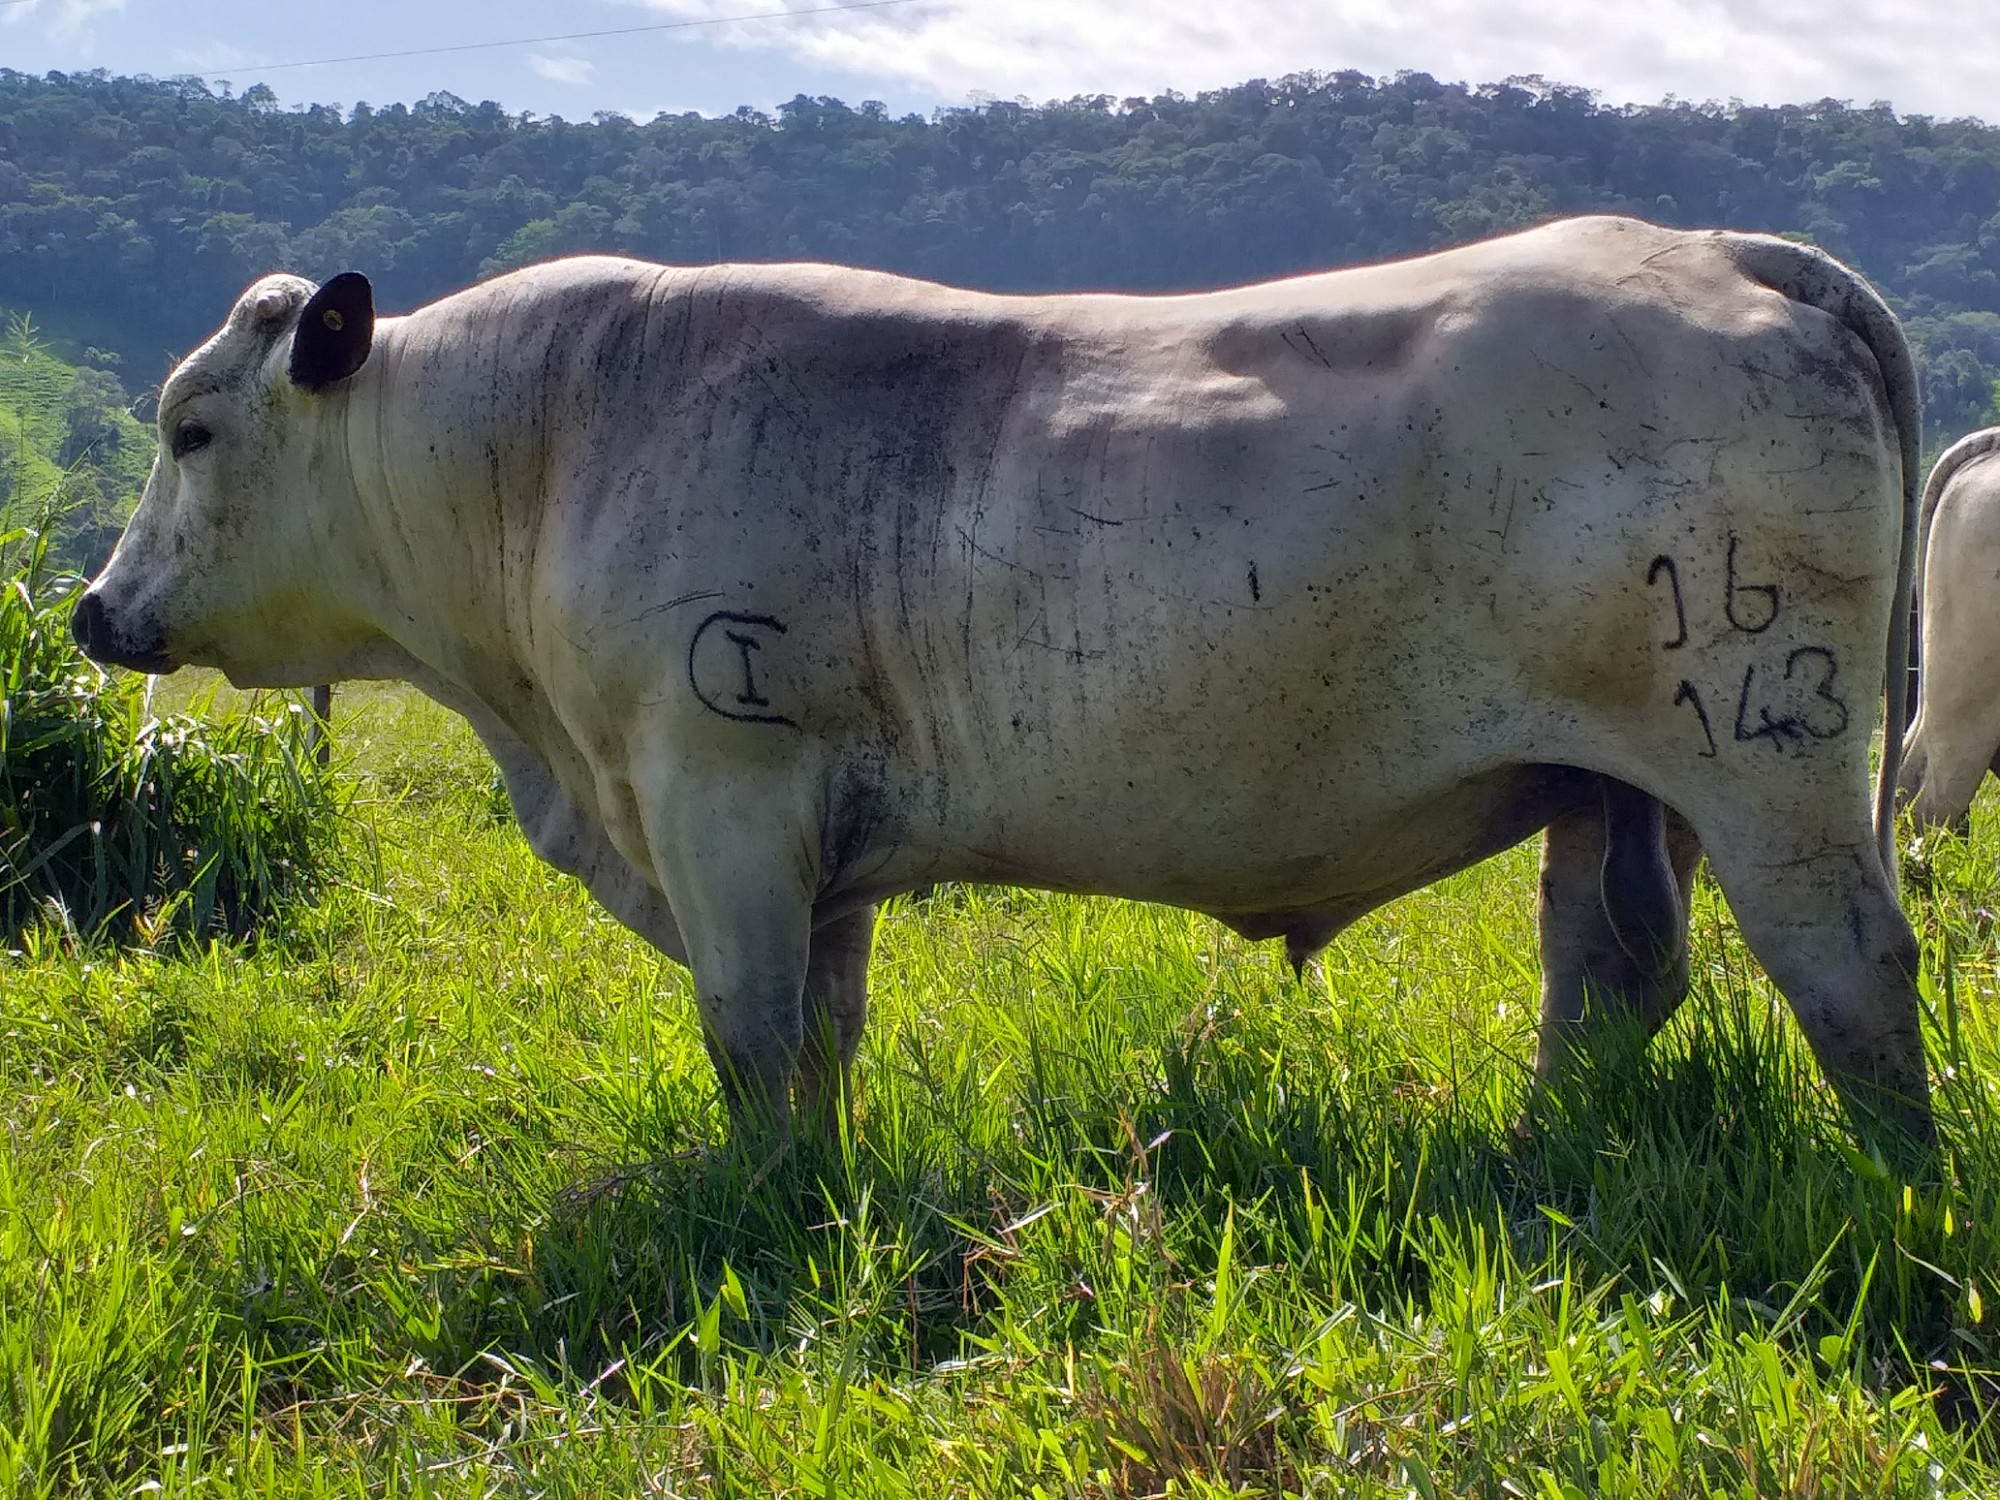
[117,822]
[419,1197]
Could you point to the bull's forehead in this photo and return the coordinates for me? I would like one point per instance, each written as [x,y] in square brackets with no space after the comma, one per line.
[263,315]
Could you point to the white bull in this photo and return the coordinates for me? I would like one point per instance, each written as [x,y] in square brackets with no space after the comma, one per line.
[1955,737]
[778,589]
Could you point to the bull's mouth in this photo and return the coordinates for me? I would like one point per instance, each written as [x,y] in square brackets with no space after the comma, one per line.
[155,663]
[92,630]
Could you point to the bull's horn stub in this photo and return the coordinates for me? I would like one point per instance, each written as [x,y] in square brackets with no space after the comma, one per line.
[333,320]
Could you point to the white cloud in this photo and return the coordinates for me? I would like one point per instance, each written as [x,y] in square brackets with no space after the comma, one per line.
[644,112]
[571,70]
[1916,53]
[67,22]
[212,57]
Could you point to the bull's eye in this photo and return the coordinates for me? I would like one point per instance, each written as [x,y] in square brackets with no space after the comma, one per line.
[191,437]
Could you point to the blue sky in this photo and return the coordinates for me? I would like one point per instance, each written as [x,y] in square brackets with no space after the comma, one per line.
[1924,56]
[637,75]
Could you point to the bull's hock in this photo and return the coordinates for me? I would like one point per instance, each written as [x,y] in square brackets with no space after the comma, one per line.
[777,589]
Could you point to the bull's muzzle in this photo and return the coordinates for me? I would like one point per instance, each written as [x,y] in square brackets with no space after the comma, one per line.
[92,627]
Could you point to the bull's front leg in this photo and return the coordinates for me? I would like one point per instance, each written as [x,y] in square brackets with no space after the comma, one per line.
[750,966]
[741,895]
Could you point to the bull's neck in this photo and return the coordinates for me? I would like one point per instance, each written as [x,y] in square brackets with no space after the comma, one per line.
[449,469]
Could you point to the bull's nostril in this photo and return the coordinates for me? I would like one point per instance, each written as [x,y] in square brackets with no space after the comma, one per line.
[87,623]
[111,645]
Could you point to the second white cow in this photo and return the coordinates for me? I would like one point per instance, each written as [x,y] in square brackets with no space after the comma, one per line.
[1955,737]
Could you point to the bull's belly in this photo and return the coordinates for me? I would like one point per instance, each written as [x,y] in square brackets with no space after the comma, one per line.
[1267,866]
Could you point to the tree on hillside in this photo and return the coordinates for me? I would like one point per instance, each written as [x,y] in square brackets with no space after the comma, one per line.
[145,205]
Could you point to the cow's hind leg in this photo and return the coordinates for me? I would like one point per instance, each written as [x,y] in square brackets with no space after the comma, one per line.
[1941,773]
[836,1010]
[1819,912]
[1951,746]
[1616,880]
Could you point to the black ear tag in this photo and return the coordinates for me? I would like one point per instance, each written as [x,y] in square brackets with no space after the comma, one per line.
[335,332]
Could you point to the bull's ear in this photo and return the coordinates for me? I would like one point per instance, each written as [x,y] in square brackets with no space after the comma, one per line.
[334,332]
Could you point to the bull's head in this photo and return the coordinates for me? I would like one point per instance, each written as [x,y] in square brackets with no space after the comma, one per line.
[219,563]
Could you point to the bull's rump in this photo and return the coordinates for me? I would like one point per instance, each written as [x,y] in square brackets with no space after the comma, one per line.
[1089,583]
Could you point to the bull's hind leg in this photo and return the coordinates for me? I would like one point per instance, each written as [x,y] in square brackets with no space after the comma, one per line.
[1818,910]
[1616,881]
[836,1010]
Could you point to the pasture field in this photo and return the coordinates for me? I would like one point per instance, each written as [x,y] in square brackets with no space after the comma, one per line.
[419,1196]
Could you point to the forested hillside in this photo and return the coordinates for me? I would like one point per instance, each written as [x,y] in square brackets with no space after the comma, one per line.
[67,444]
[132,210]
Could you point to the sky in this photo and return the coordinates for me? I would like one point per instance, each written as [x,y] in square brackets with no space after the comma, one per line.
[1922,56]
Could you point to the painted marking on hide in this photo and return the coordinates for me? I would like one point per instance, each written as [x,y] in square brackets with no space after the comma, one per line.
[1691,695]
[1665,564]
[1791,724]
[1733,592]
[1792,704]
[728,666]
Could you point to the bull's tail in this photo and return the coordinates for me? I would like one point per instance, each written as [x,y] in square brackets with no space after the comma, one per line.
[1811,276]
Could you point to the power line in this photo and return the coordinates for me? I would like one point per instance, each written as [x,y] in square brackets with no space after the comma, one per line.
[568,36]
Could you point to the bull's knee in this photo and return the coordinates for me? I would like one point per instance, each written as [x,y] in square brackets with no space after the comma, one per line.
[1867,1032]
[1945,759]
[754,1069]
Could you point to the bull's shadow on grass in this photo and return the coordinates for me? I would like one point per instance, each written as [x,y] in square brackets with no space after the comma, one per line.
[1713,1168]
[1069,1110]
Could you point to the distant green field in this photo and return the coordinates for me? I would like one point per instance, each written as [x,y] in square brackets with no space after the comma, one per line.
[420,1196]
